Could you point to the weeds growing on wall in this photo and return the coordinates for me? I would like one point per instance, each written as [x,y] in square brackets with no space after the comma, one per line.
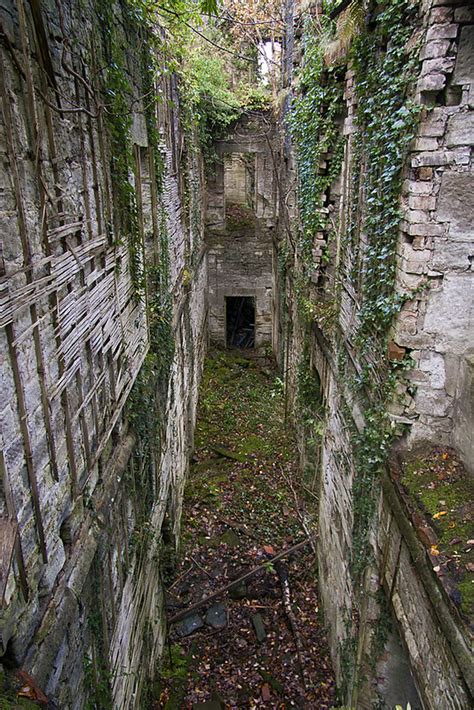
[319,146]
[385,65]
[386,117]
[118,119]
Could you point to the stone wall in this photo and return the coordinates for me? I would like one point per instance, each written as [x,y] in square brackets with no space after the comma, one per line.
[103,279]
[432,406]
[438,235]
[240,220]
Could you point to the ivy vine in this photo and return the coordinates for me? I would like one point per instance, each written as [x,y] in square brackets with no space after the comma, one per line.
[313,122]
[386,118]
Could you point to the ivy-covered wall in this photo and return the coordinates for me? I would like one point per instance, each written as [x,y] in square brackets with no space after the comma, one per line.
[373,262]
[103,330]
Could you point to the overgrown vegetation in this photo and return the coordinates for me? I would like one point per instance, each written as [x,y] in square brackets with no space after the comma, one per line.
[243,506]
[211,101]
[364,258]
[315,125]
[386,119]
[443,491]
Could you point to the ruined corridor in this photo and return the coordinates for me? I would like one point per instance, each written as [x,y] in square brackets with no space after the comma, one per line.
[237,354]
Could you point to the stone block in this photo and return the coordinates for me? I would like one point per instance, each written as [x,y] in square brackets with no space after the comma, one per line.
[416,216]
[441,14]
[461,129]
[441,157]
[464,69]
[433,364]
[451,255]
[432,82]
[428,229]
[464,14]
[418,243]
[463,416]
[434,49]
[416,187]
[424,173]
[424,144]
[433,403]
[432,128]
[446,313]
[421,202]
[395,352]
[445,65]
[449,31]
[456,203]
[414,266]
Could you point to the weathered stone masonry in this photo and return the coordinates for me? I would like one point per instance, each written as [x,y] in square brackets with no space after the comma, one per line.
[240,221]
[435,327]
[83,498]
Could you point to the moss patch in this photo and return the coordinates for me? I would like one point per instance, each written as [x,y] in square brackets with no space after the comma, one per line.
[444,492]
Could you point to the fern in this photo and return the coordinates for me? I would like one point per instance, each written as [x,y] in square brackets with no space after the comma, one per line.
[348,25]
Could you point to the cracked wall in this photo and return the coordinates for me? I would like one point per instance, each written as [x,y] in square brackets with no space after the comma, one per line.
[97,297]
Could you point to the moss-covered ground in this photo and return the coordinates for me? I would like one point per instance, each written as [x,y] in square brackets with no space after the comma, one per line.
[242,507]
[444,492]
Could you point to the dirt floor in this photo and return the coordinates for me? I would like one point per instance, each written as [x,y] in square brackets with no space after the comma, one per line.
[246,648]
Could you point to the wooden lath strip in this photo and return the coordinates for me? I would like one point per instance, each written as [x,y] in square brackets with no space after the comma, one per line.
[33,307]
[23,417]
[11,510]
[116,413]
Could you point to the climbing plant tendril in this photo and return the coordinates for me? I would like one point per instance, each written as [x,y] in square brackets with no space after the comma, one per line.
[386,119]
[384,63]
[313,122]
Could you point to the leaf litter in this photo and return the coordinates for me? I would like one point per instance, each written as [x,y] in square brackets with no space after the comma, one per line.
[243,506]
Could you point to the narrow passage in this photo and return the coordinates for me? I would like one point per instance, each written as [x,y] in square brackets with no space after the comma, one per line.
[243,506]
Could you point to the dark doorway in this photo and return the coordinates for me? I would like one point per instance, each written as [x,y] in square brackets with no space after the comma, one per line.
[240,317]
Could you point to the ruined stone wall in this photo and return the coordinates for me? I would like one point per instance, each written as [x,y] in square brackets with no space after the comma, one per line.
[103,336]
[438,236]
[432,406]
[240,220]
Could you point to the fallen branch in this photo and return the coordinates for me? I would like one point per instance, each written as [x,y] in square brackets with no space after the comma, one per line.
[301,516]
[178,579]
[200,566]
[282,572]
[238,526]
[182,614]
[226,453]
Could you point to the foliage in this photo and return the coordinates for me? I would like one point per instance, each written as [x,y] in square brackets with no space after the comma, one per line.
[118,92]
[214,106]
[440,488]
[387,122]
[317,139]
[385,64]
[386,118]
[97,676]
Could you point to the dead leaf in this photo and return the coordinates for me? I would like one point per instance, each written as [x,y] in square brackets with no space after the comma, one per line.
[30,689]
[266,695]
[269,549]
